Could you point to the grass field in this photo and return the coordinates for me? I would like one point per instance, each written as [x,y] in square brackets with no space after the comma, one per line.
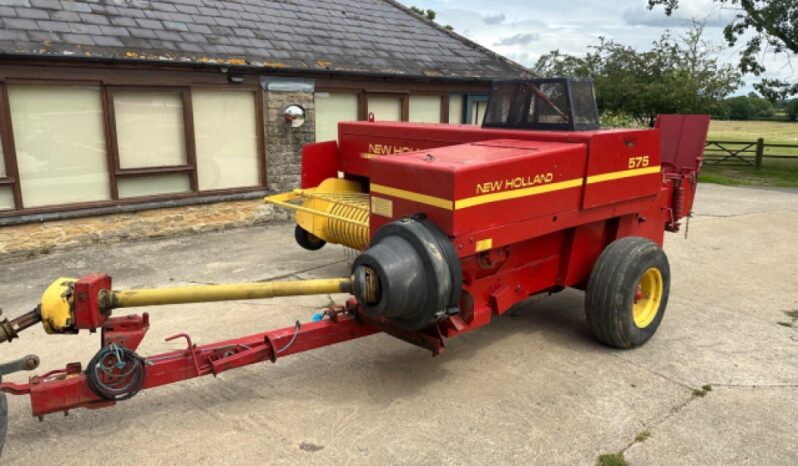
[774,132]
[775,172]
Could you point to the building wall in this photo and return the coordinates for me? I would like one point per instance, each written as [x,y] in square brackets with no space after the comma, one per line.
[26,231]
[284,143]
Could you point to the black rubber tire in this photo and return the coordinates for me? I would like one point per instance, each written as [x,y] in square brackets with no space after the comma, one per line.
[306,240]
[3,420]
[610,295]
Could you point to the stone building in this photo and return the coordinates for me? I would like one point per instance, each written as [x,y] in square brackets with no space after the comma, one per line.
[124,119]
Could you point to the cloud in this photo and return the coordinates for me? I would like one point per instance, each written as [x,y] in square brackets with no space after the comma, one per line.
[495,19]
[702,11]
[518,39]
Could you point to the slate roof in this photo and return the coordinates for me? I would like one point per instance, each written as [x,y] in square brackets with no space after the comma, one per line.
[361,36]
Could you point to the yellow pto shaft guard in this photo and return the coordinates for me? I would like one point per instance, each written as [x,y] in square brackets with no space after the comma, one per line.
[208,293]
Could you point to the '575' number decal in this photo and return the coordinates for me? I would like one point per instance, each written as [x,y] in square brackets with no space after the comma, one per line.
[638,162]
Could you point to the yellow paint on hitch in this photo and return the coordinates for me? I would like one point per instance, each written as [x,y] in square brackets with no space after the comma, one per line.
[56,306]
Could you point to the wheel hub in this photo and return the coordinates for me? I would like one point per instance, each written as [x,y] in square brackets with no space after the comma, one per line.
[648,297]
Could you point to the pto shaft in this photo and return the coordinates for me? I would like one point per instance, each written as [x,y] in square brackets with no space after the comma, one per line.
[109,299]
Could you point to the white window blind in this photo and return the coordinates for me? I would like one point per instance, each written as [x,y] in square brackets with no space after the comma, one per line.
[385,108]
[478,112]
[6,198]
[153,185]
[456,109]
[2,160]
[332,109]
[60,144]
[150,129]
[225,131]
[425,108]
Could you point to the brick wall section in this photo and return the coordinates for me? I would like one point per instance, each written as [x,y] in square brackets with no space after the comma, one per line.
[283,142]
[20,241]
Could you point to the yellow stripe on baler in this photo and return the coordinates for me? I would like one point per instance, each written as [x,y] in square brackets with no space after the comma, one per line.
[411,196]
[622,174]
[516,193]
[508,195]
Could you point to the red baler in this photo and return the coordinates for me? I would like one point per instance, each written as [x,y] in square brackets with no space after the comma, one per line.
[455,225]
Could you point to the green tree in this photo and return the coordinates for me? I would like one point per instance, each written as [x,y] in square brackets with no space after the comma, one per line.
[429,14]
[762,108]
[677,75]
[765,25]
[740,108]
[792,110]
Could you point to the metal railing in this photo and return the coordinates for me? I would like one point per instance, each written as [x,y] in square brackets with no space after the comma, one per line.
[744,153]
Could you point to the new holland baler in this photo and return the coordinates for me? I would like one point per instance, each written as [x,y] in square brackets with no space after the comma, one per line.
[454,224]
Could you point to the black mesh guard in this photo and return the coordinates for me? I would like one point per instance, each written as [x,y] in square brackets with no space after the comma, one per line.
[558,104]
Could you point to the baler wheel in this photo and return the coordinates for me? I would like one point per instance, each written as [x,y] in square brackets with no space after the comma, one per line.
[627,292]
[307,240]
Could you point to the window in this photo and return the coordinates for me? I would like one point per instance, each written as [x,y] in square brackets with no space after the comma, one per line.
[476,105]
[60,144]
[225,129]
[385,108]
[467,109]
[150,128]
[456,109]
[6,198]
[6,191]
[425,108]
[152,185]
[332,109]
[2,159]
[74,144]
[152,154]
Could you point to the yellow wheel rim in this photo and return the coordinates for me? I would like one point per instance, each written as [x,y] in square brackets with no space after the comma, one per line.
[648,297]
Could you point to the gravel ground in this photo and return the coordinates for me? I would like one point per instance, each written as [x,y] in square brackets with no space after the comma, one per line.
[532,388]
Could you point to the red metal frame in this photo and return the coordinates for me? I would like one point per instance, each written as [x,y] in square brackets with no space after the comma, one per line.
[68,388]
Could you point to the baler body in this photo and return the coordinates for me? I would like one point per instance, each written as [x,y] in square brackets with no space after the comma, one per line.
[527,211]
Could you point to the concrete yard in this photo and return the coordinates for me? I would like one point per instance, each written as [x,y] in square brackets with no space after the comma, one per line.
[532,388]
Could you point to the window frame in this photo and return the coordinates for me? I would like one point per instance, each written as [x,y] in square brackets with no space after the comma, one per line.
[364,91]
[359,96]
[190,167]
[404,108]
[260,133]
[11,177]
[470,100]
[114,170]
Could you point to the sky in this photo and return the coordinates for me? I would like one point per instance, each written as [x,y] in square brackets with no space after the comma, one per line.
[523,30]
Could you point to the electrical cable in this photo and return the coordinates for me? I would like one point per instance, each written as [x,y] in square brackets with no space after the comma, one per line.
[116,380]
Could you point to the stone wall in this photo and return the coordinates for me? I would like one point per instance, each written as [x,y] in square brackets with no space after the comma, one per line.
[284,143]
[27,240]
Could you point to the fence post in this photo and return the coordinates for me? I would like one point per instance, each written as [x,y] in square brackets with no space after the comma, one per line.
[760,152]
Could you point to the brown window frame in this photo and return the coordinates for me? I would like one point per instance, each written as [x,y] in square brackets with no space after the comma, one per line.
[189,167]
[260,132]
[364,93]
[405,96]
[9,153]
[113,164]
